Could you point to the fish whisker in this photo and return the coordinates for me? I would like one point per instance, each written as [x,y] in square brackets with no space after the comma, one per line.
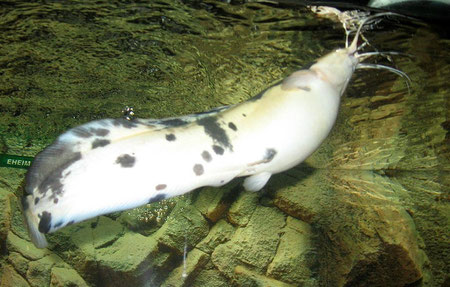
[390,69]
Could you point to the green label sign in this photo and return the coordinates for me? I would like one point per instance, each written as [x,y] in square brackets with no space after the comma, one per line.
[15,161]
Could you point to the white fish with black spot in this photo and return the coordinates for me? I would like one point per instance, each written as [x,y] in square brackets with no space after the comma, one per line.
[112,165]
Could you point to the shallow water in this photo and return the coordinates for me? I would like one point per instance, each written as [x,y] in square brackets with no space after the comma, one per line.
[374,196]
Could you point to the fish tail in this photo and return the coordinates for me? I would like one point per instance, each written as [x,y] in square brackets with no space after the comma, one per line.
[32,220]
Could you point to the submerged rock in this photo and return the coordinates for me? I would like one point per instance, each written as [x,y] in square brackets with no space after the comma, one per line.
[220,233]
[5,213]
[242,209]
[185,227]
[10,277]
[66,277]
[19,263]
[184,274]
[253,245]
[129,261]
[295,261]
[213,202]
[16,244]
[210,278]
[398,252]
[149,218]
[366,232]
[246,277]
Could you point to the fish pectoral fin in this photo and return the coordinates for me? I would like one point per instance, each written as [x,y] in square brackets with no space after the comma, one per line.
[257,181]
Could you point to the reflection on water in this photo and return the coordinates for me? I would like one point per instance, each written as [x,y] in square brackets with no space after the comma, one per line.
[370,207]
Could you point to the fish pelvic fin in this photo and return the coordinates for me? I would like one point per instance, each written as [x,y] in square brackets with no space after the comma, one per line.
[257,181]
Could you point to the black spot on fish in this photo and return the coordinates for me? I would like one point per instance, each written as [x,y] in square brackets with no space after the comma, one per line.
[244,115]
[161,186]
[257,97]
[124,123]
[232,126]
[25,204]
[49,164]
[149,123]
[53,180]
[268,157]
[81,132]
[217,149]
[126,160]
[170,137]
[198,169]
[212,111]
[55,201]
[304,88]
[215,131]
[173,122]
[270,154]
[36,200]
[99,132]
[100,143]
[45,222]
[206,156]
[58,224]
[157,197]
